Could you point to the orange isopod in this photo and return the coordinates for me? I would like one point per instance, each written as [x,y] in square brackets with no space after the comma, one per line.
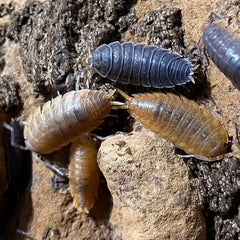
[59,121]
[181,121]
[83,173]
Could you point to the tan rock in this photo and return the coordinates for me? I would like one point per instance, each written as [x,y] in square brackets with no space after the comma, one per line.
[150,186]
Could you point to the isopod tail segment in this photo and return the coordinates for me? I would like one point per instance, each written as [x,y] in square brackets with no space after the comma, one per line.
[180,121]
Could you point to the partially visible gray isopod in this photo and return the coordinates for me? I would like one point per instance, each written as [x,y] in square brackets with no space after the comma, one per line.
[224,49]
[140,64]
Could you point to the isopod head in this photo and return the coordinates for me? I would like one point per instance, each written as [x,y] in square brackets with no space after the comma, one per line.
[100,60]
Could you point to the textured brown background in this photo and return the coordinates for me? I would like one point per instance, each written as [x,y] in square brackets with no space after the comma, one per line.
[154,194]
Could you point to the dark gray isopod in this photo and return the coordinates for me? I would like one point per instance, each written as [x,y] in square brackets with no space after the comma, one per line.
[224,49]
[140,64]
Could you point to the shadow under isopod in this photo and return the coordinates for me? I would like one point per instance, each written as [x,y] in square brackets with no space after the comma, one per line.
[19,172]
[103,204]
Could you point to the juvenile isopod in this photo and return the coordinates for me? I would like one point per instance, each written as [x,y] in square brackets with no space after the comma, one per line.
[59,121]
[83,172]
[140,64]
[181,121]
[224,49]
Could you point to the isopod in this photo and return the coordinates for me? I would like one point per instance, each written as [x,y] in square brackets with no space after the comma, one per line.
[140,64]
[181,121]
[224,49]
[59,121]
[83,172]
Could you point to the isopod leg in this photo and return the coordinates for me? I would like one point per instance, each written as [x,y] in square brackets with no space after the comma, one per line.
[200,52]
[198,47]
[52,167]
[13,133]
[200,157]
[101,138]
[120,105]
[25,234]
[186,155]
[76,77]
[115,104]
[213,16]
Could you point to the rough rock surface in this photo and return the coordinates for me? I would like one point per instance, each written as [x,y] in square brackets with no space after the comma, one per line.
[218,186]
[154,190]
[9,95]
[53,34]
[45,43]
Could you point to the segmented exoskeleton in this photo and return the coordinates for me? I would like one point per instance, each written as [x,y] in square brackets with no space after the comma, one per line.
[66,119]
[224,49]
[59,121]
[140,64]
[181,121]
[83,172]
